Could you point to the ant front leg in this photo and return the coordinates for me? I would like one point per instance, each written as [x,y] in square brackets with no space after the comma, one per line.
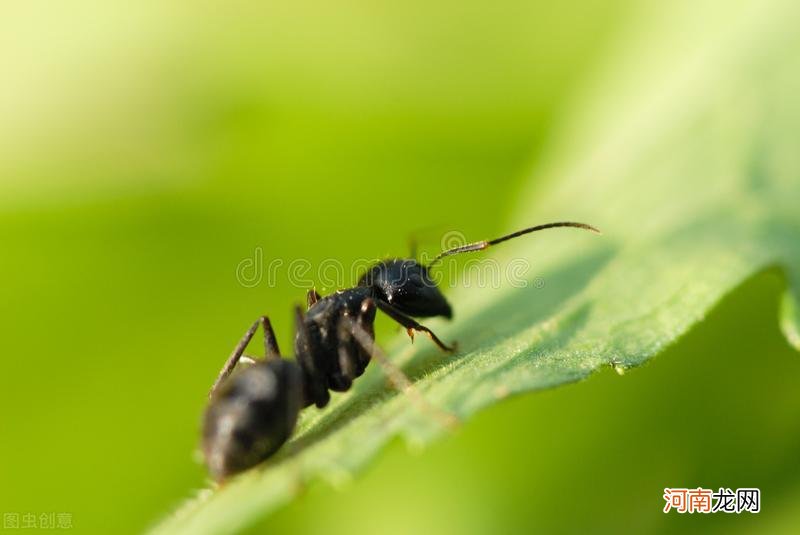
[412,325]
[270,350]
[364,337]
[354,355]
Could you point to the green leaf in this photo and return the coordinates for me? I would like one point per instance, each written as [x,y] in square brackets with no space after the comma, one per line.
[684,153]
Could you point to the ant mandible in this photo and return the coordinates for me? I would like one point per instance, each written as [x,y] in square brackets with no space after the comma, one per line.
[252,414]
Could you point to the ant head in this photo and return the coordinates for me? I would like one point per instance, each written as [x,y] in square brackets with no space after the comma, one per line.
[407,285]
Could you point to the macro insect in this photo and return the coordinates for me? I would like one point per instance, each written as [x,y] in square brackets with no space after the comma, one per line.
[252,413]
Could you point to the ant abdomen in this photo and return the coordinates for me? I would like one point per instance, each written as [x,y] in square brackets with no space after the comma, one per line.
[251,416]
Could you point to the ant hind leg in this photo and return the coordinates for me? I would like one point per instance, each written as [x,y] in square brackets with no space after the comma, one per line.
[270,349]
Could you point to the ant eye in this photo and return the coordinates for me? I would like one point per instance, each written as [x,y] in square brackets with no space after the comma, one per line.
[416,280]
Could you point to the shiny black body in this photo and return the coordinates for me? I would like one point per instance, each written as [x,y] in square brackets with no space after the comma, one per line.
[253,413]
[329,357]
[407,286]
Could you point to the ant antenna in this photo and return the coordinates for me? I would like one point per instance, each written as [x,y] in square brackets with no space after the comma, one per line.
[481,245]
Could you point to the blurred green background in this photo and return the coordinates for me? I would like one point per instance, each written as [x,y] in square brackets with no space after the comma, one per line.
[147,149]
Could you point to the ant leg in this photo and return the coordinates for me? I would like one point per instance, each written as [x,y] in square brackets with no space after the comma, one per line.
[230,364]
[312,297]
[270,345]
[413,238]
[413,247]
[316,389]
[411,325]
[271,350]
[353,357]
[366,322]
[348,361]
[395,375]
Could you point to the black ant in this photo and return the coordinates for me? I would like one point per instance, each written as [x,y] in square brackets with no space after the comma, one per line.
[251,415]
